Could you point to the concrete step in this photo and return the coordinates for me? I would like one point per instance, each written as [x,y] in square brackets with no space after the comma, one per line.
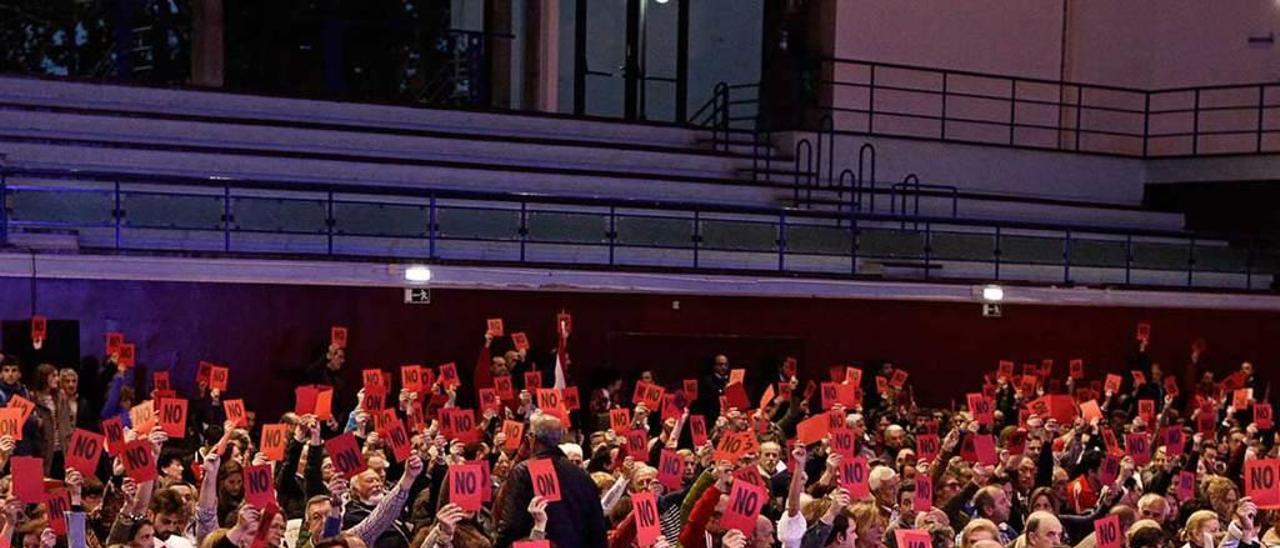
[145,100]
[126,131]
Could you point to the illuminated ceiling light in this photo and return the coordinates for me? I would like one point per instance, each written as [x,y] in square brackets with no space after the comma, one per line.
[993,293]
[417,274]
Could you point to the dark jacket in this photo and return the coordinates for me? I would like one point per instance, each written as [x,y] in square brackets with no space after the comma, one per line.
[576,520]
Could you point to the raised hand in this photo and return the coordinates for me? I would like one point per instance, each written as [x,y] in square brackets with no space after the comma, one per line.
[538,511]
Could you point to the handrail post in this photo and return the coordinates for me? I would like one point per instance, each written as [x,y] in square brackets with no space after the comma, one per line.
[1146,123]
[928,247]
[4,204]
[1191,261]
[226,217]
[1079,114]
[329,222]
[943,122]
[118,214]
[1195,124]
[1128,259]
[871,102]
[1013,108]
[524,228]
[996,254]
[782,241]
[1262,95]
[431,226]
[697,235]
[1066,258]
[613,231]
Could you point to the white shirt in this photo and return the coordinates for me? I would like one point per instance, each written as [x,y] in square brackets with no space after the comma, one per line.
[791,529]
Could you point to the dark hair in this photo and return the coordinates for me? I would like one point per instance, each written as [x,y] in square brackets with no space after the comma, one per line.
[167,501]
[41,381]
[839,526]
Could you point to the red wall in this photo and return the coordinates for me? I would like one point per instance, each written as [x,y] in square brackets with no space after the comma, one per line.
[263,332]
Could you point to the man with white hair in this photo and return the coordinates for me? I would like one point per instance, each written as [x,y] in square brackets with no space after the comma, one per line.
[576,520]
[573,452]
[883,481]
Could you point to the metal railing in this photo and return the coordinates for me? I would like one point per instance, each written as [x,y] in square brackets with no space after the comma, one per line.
[120,212]
[893,99]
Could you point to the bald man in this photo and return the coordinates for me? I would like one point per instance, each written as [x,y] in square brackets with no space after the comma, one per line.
[1043,530]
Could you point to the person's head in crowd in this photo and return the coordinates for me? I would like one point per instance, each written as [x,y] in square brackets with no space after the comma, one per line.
[45,380]
[763,534]
[1125,514]
[948,487]
[690,465]
[170,465]
[894,437]
[857,424]
[1145,533]
[720,365]
[377,463]
[512,357]
[368,487]
[646,376]
[169,513]
[1090,467]
[645,478]
[1043,530]
[1201,529]
[987,543]
[69,381]
[573,452]
[1042,499]
[141,534]
[30,532]
[126,398]
[1153,507]
[335,357]
[1247,369]
[884,485]
[1222,496]
[906,502]
[498,366]
[991,502]
[230,480]
[10,372]
[317,508]
[770,455]
[870,523]
[545,432]
[978,529]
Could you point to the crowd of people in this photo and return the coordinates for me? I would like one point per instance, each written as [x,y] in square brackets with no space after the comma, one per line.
[510,453]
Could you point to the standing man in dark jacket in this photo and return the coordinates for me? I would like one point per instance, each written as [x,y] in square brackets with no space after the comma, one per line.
[575,520]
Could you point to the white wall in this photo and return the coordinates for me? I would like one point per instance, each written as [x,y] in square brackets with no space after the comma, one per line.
[1139,43]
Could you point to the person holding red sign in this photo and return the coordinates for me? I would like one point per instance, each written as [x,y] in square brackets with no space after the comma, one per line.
[576,519]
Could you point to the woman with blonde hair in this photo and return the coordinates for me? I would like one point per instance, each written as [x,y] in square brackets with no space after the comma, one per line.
[1201,530]
[978,529]
[1222,495]
[870,524]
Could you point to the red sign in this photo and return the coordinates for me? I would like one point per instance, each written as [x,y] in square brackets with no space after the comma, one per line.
[670,470]
[83,451]
[495,327]
[27,406]
[842,442]
[139,463]
[830,395]
[344,451]
[1144,331]
[638,445]
[114,341]
[532,380]
[235,412]
[698,430]
[142,417]
[812,429]
[112,430]
[928,446]
[59,502]
[745,503]
[128,355]
[1186,485]
[173,417]
[548,398]
[691,389]
[1262,482]
[218,378]
[620,420]
[985,448]
[259,488]
[1107,532]
[1139,447]
[1173,441]
[465,486]
[981,408]
[644,506]
[546,483]
[853,476]
[521,341]
[28,478]
[273,440]
[1262,416]
[1005,369]
[924,493]
[502,383]
[449,375]
[411,378]
[514,430]
[1113,383]
[160,380]
[1076,368]
[572,401]
[398,439]
[457,423]
[338,337]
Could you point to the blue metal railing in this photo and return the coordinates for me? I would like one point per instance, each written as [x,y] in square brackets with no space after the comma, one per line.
[121,212]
